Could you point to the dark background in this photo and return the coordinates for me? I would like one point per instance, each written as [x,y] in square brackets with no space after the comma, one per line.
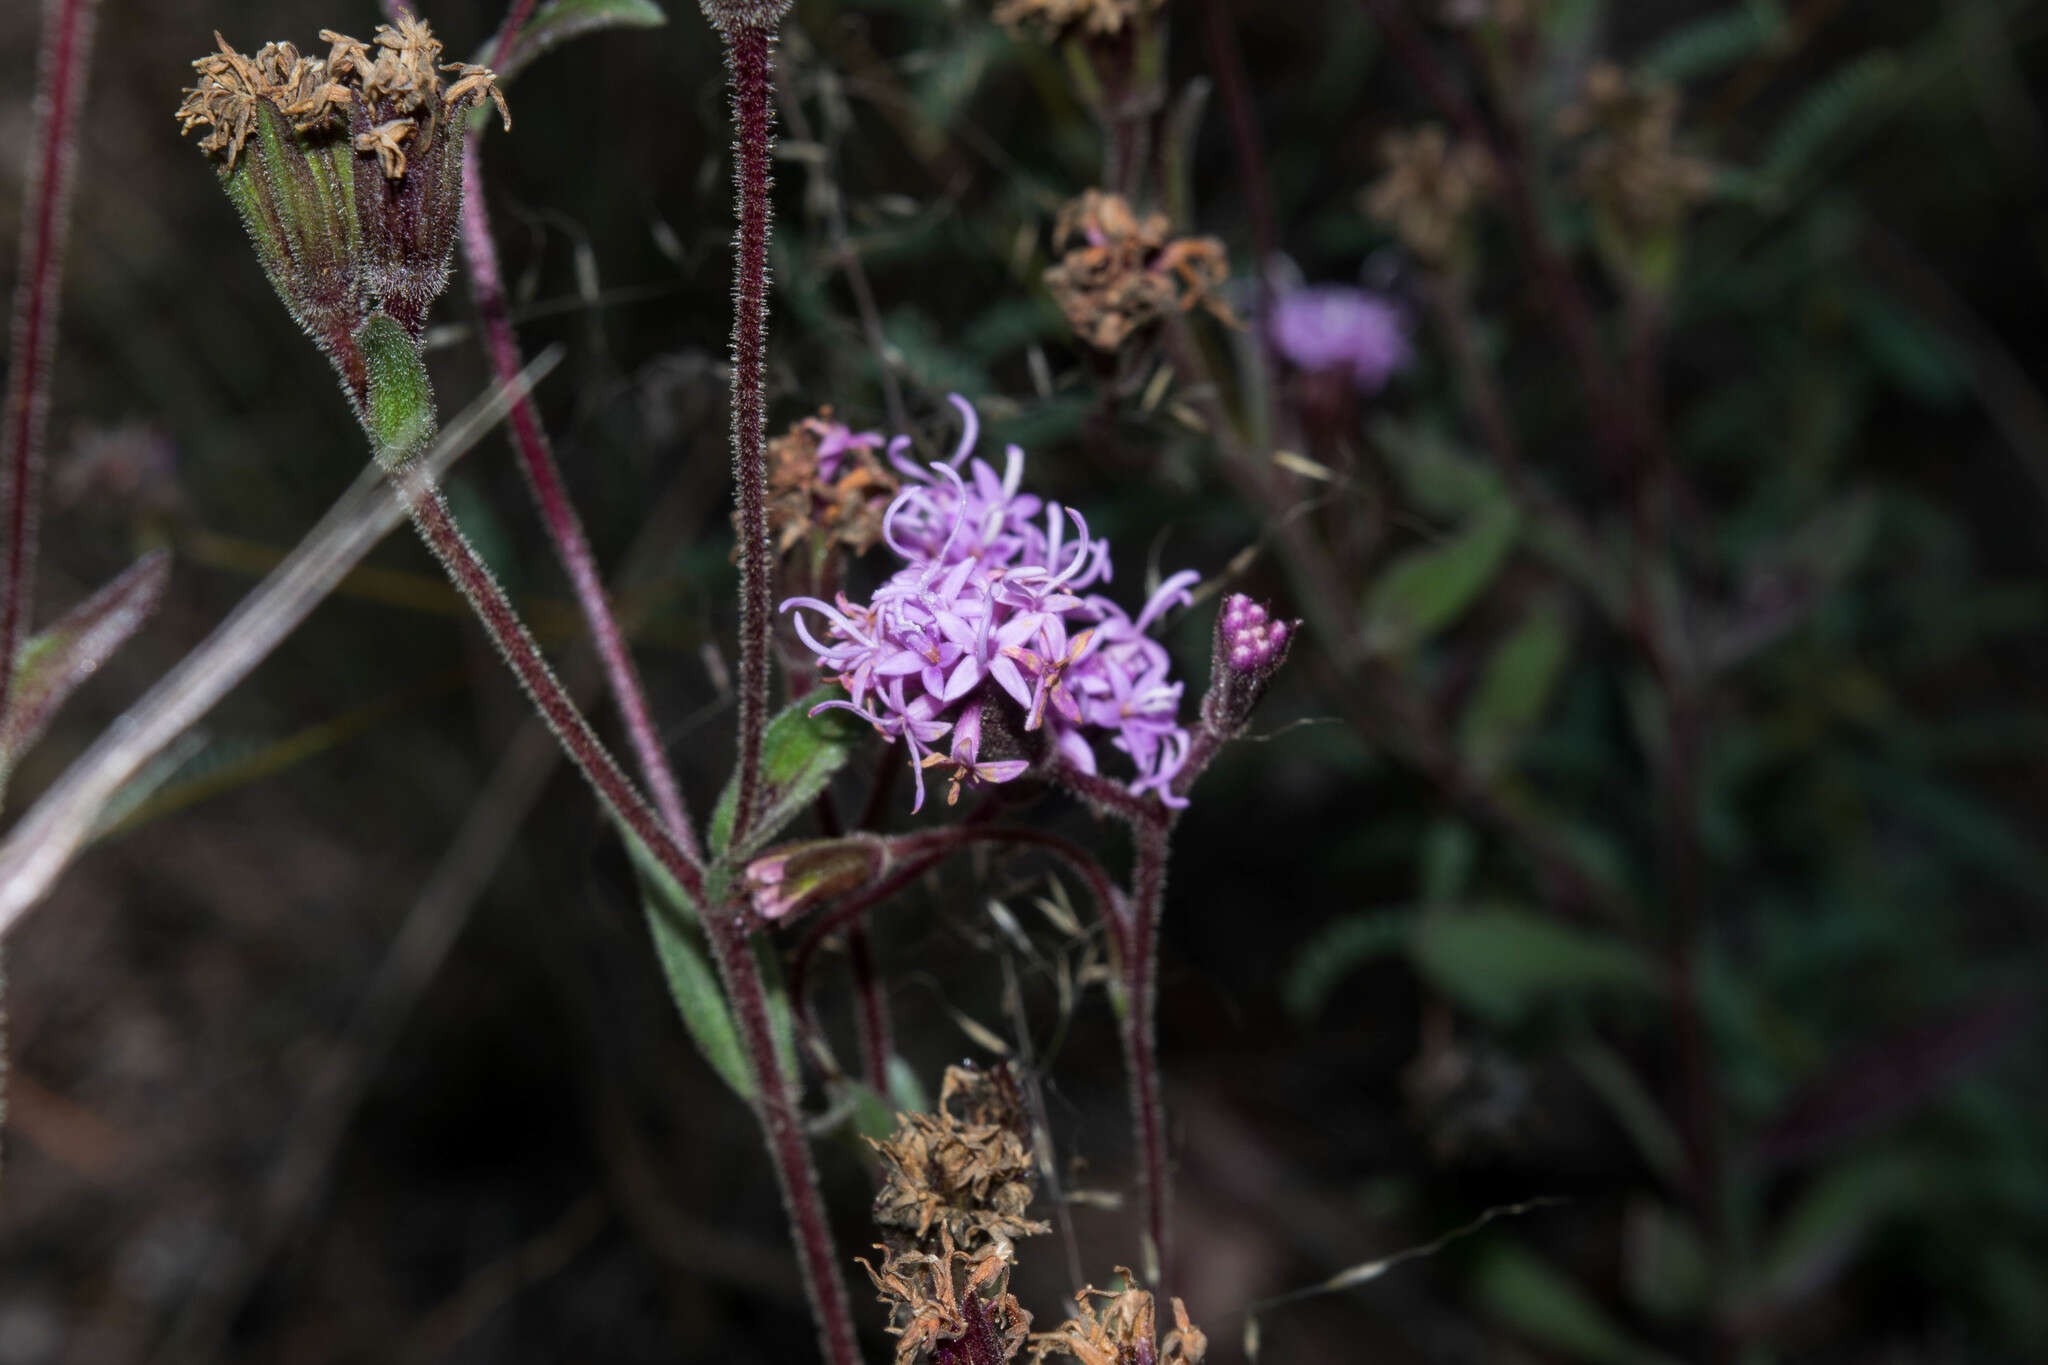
[228,1139]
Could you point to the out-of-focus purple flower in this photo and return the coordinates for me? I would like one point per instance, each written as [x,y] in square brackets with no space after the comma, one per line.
[1336,327]
[989,632]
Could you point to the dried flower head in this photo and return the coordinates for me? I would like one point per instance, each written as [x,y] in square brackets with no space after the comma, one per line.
[1428,189]
[1119,1328]
[989,634]
[827,485]
[1120,273]
[1629,167]
[978,1324]
[347,171]
[379,94]
[1051,20]
[965,1171]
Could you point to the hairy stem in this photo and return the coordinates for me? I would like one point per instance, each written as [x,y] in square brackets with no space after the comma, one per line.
[46,210]
[508,39]
[788,1149]
[747,53]
[1139,1025]
[501,621]
[557,513]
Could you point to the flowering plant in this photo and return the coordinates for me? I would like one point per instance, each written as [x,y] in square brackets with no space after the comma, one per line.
[988,633]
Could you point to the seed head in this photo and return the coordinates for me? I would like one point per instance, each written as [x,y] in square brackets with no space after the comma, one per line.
[347,171]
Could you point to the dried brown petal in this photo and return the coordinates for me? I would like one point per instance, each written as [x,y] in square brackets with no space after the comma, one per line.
[1121,273]
[1051,20]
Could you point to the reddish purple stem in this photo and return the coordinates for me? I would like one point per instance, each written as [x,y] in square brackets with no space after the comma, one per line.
[544,477]
[788,1148]
[753,116]
[508,37]
[46,211]
[501,621]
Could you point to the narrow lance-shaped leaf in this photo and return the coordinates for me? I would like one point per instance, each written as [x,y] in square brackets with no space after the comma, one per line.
[1533,1296]
[55,662]
[674,921]
[799,754]
[1514,690]
[558,21]
[1500,961]
[1427,590]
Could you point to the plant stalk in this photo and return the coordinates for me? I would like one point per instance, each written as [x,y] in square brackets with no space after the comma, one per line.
[753,114]
[788,1147]
[46,211]
[430,514]
[557,513]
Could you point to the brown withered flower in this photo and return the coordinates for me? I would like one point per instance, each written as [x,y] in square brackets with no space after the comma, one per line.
[1120,1328]
[981,1323]
[1630,167]
[826,482]
[1120,273]
[347,171]
[966,1170]
[1428,189]
[1051,20]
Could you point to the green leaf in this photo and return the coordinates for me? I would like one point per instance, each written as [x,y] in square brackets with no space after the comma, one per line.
[1822,1231]
[1615,1082]
[692,984]
[1499,961]
[1664,1262]
[799,754]
[1515,689]
[1427,590]
[52,665]
[1537,1300]
[1842,100]
[1339,950]
[1438,476]
[1708,45]
[560,20]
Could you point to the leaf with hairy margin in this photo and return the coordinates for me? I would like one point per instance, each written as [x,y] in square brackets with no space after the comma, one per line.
[53,664]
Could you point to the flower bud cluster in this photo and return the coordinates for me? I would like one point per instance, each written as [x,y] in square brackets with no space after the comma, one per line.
[989,639]
[1250,647]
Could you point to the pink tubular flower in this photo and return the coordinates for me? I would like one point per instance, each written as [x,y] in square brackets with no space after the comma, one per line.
[990,633]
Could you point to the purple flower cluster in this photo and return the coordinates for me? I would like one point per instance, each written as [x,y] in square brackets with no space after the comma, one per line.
[1252,640]
[991,610]
[1335,327]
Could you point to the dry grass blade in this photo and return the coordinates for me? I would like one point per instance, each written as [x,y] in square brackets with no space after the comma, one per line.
[42,845]
[1356,1275]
